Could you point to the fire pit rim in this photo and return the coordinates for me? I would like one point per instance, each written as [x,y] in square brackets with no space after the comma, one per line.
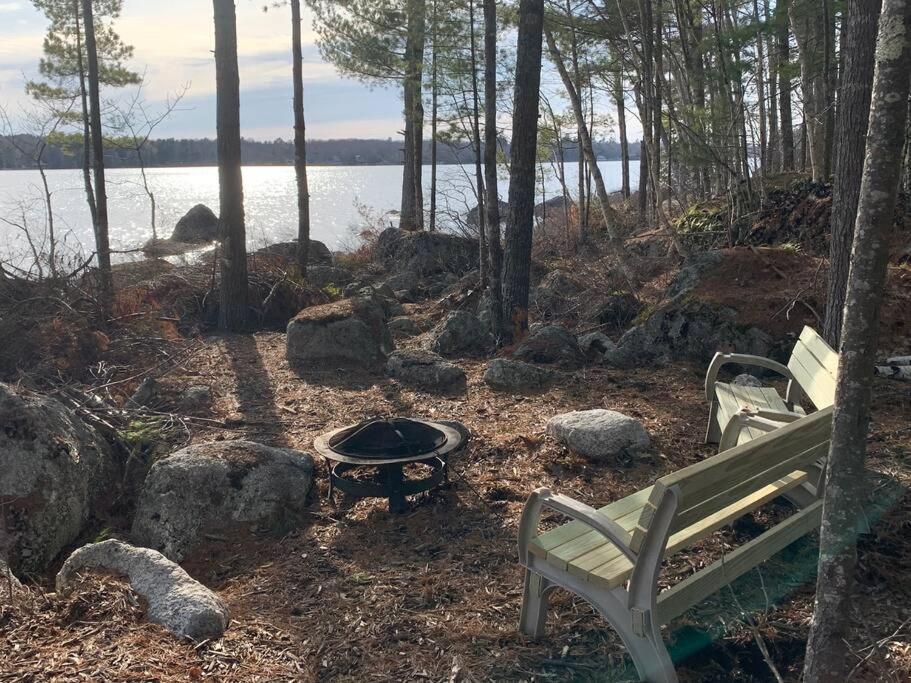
[454,441]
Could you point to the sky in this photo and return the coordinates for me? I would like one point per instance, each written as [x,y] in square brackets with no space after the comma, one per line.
[173,43]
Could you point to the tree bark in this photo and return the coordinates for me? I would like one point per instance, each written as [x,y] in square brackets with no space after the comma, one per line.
[476,143]
[86,126]
[232,310]
[760,91]
[412,214]
[845,471]
[300,143]
[102,241]
[808,24]
[519,224]
[624,140]
[784,86]
[490,167]
[434,118]
[860,21]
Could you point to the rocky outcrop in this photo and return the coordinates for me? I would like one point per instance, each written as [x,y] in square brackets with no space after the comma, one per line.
[198,226]
[555,295]
[461,333]
[56,474]
[425,253]
[599,434]
[504,374]
[318,254]
[351,332]
[550,344]
[321,276]
[176,601]
[403,326]
[595,344]
[426,370]
[222,486]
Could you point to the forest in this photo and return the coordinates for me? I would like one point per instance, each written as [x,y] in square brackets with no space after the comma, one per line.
[653,429]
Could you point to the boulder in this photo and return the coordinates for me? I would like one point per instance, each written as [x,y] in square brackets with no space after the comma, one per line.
[322,276]
[461,333]
[616,311]
[196,399]
[599,434]
[199,225]
[226,486]
[145,395]
[555,294]
[595,344]
[746,380]
[350,332]
[176,601]
[403,326]
[425,253]
[504,374]
[318,254]
[56,474]
[425,370]
[471,218]
[550,344]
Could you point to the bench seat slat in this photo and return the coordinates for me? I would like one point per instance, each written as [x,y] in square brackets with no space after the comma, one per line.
[675,601]
[614,571]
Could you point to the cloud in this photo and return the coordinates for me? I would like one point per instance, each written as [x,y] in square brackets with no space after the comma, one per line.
[10,6]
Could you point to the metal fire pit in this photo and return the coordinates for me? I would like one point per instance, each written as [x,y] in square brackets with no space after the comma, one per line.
[388,444]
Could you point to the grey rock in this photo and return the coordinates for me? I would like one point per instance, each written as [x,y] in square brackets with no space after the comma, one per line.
[401,282]
[555,294]
[318,254]
[471,218]
[196,398]
[550,344]
[425,253]
[9,584]
[746,380]
[599,434]
[403,326]
[461,333]
[426,370]
[691,273]
[146,393]
[176,601]
[226,485]
[199,225]
[504,374]
[351,332]
[56,473]
[595,344]
[322,276]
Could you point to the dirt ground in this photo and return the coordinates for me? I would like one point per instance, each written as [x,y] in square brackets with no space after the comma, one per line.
[359,594]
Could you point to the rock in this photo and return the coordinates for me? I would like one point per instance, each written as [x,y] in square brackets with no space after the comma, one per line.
[196,398]
[426,370]
[690,330]
[403,326]
[746,380]
[199,225]
[461,333]
[555,294]
[550,344]
[616,311]
[225,486]
[425,253]
[504,374]
[350,332]
[146,393]
[322,276]
[176,601]
[439,284]
[56,474]
[318,254]
[471,218]
[599,434]
[595,344]
[401,282]
[9,584]
[691,273]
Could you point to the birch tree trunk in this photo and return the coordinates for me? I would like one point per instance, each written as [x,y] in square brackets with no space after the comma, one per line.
[860,20]
[232,309]
[845,474]
[519,224]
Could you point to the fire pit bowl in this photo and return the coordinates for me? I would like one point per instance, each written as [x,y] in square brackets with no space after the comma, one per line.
[388,444]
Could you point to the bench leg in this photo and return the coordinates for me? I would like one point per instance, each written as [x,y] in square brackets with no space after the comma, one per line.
[649,654]
[713,431]
[534,604]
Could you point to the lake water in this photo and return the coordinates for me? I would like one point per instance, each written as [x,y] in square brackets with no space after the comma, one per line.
[339,197]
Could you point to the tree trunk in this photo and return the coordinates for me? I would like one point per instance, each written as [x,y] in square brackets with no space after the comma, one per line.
[860,21]
[624,140]
[434,118]
[760,91]
[845,471]
[86,130]
[808,24]
[611,220]
[490,167]
[300,143]
[102,241]
[476,143]
[774,151]
[519,224]
[412,214]
[784,86]
[232,310]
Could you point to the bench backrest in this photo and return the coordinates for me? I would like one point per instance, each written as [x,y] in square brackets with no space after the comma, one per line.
[815,366]
[710,486]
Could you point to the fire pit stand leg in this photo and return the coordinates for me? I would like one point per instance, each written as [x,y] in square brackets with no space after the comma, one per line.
[395,479]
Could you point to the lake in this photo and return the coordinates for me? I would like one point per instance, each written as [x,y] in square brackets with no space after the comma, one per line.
[340,196]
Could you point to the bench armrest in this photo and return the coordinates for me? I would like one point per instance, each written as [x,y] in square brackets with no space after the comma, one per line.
[778,415]
[581,512]
[722,359]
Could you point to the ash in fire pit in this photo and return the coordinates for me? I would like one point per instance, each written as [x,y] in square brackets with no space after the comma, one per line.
[388,444]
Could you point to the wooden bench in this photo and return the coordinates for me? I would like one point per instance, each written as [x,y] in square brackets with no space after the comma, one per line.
[739,414]
[612,556]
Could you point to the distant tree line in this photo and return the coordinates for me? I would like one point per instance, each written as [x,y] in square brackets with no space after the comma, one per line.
[67,152]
